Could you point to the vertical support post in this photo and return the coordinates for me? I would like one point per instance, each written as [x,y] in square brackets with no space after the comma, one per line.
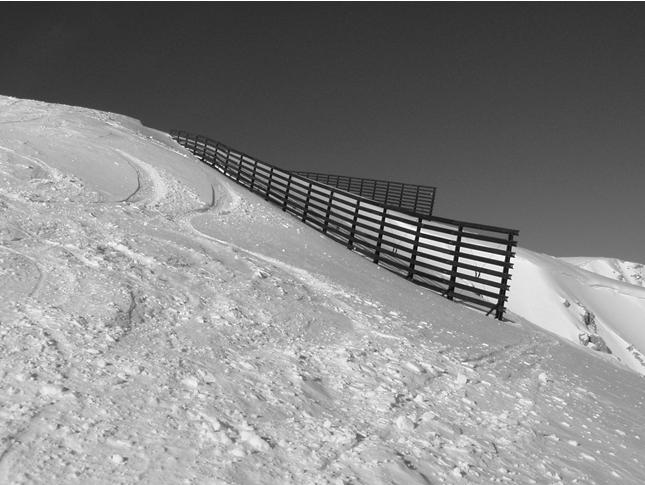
[196,151]
[206,157]
[216,162]
[286,194]
[416,200]
[253,174]
[214,156]
[379,238]
[415,249]
[360,189]
[350,241]
[304,213]
[195,147]
[455,260]
[239,168]
[328,211]
[203,149]
[226,160]
[268,192]
[387,193]
[501,301]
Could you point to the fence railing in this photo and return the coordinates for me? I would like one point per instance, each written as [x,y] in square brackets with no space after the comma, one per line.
[463,261]
[416,199]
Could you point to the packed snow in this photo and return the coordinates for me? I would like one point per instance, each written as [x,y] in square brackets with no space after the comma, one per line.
[159,324]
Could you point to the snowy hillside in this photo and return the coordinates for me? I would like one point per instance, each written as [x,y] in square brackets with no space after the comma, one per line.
[601,310]
[159,324]
[628,272]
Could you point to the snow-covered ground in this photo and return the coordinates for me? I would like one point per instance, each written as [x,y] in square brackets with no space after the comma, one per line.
[595,302]
[626,271]
[159,324]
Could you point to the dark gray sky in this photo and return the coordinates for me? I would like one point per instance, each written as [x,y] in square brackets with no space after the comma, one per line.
[525,116]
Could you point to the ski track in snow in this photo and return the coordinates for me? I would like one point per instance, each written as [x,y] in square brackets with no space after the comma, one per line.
[147,351]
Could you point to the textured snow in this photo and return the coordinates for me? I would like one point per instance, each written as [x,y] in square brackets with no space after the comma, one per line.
[159,324]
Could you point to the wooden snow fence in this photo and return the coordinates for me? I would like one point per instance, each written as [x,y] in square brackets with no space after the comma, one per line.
[464,261]
[414,199]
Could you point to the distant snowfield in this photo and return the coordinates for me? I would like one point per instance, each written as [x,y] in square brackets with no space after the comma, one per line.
[159,324]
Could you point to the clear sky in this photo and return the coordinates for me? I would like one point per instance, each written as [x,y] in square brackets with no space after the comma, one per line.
[524,116]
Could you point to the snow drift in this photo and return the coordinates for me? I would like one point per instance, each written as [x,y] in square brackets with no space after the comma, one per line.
[160,325]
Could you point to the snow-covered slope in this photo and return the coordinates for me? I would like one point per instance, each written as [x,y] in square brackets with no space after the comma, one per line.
[160,325]
[598,309]
[625,271]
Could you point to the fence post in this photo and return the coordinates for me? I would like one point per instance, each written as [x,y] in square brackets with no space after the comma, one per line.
[501,301]
[379,238]
[286,194]
[328,211]
[216,162]
[203,149]
[214,156]
[206,156]
[239,168]
[226,160]
[350,241]
[268,192]
[453,273]
[195,149]
[253,174]
[304,214]
[416,200]
[415,249]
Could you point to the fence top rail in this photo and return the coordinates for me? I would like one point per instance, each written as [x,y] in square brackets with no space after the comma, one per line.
[444,220]
[475,225]
[347,177]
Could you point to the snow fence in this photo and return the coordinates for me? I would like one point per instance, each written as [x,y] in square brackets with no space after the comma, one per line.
[416,199]
[464,261]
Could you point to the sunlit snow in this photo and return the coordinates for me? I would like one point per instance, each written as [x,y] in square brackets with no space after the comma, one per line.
[159,324]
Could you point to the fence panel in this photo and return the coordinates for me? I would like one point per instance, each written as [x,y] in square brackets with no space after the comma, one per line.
[416,199]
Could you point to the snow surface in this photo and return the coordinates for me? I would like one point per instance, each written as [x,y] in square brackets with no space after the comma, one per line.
[601,309]
[159,324]
[626,271]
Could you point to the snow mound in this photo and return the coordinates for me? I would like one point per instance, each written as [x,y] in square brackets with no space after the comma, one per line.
[160,325]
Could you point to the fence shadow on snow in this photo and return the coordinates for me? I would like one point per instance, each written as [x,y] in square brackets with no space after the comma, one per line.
[465,262]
